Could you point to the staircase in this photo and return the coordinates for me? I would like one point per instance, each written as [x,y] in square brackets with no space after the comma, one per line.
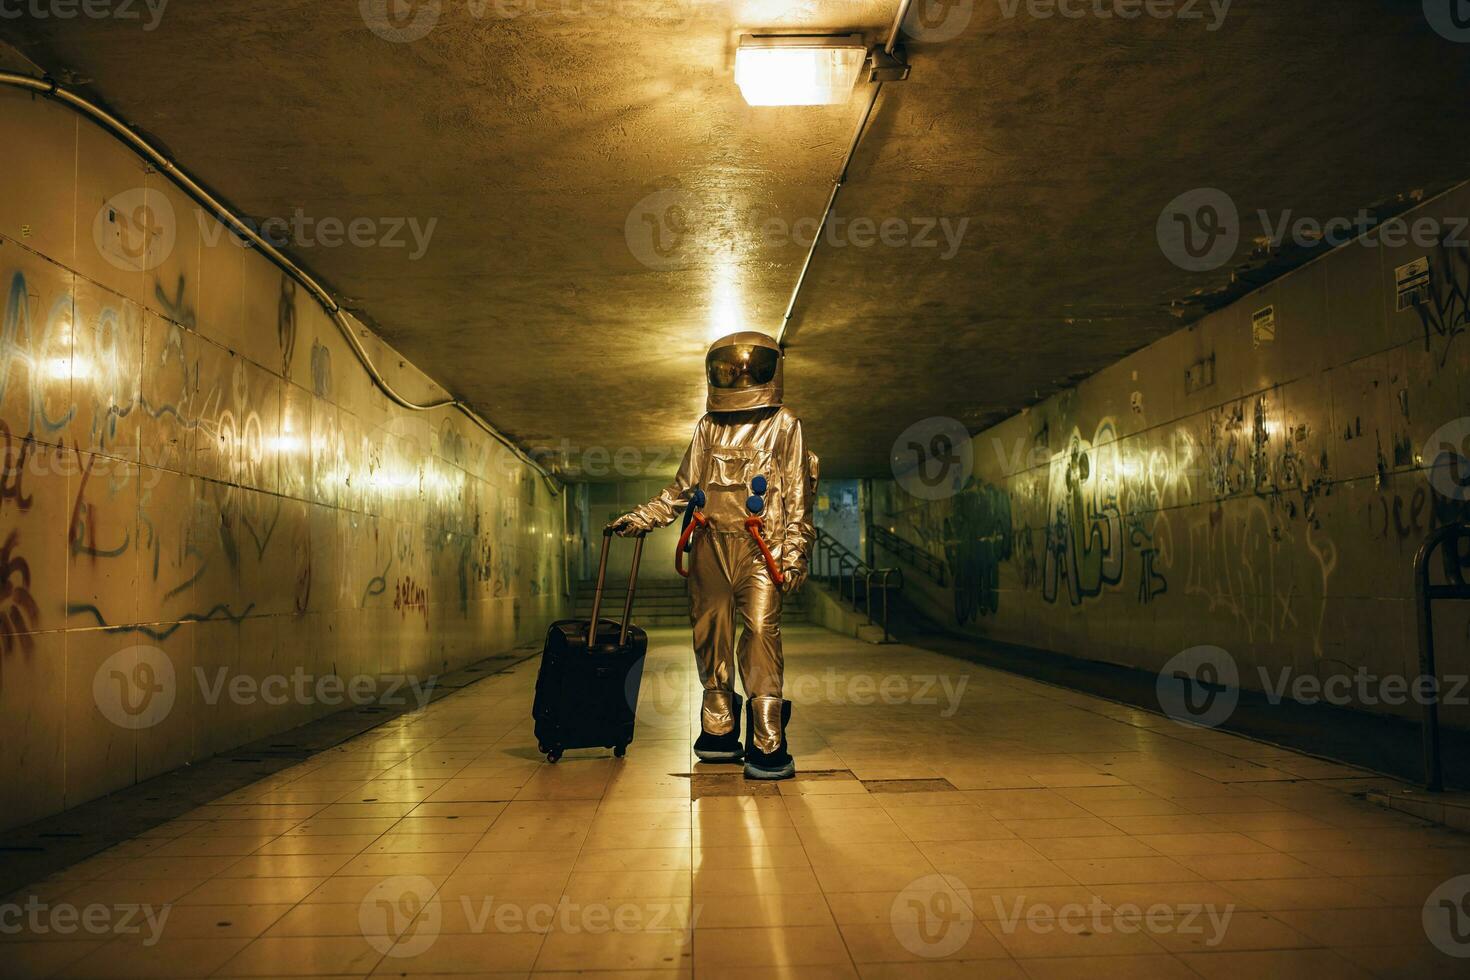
[661,603]
[909,553]
[912,616]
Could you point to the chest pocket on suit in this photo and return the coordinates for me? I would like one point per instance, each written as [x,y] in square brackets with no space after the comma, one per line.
[734,467]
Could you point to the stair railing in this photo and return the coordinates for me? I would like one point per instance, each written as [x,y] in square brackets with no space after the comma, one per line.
[836,564]
[882,585]
[931,566]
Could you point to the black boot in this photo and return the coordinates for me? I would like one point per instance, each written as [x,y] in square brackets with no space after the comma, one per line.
[721,748]
[767,765]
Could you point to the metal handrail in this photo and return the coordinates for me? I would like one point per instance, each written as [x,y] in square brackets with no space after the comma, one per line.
[1425,593]
[827,549]
[830,548]
[931,565]
[868,581]
[842,563]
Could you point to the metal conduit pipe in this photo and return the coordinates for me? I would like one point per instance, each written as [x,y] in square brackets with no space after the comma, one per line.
[51,89]
[784,333]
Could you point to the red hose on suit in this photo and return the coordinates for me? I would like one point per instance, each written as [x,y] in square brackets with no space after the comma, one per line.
[755,526]
[697,520]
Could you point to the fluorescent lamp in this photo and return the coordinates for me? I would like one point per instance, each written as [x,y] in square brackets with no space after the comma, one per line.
[798,69]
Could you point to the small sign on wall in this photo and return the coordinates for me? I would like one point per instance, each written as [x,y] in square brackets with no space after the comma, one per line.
[1263,327]
[1411,281]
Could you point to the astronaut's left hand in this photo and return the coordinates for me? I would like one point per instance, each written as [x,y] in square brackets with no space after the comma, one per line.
[630,525]
[792,577]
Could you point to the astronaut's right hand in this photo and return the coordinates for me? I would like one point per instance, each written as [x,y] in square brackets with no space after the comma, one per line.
[630,525]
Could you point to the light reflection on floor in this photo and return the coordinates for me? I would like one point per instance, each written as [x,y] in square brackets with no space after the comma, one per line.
[950,821]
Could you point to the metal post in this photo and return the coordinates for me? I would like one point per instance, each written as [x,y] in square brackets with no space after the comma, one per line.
[632,585]
[1429,726]
[607,533]
[886,573]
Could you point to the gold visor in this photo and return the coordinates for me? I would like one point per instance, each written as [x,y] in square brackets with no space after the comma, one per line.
[741,366]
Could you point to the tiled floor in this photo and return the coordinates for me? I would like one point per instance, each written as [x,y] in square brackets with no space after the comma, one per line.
[968,823]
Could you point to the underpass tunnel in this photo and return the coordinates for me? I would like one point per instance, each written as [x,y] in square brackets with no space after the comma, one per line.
[1017,454]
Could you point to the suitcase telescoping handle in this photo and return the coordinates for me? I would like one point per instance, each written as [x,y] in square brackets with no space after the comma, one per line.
[607,534]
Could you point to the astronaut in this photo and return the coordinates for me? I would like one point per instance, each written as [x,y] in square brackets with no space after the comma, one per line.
[747,458]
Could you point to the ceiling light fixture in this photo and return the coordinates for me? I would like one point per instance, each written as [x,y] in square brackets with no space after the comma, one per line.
[798,69]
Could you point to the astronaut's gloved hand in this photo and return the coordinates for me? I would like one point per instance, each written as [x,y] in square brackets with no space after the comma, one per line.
[630,525]
[792,577]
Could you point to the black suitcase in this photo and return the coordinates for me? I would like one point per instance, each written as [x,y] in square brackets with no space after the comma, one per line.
[586,698]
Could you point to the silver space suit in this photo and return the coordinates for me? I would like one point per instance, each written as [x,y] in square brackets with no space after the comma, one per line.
[747,459]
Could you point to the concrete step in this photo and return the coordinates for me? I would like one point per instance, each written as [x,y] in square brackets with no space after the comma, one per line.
[616,598]
[644,585]
[648,618]
[641,615]
[657,601]
[618,594]
[663,604]
[640,611]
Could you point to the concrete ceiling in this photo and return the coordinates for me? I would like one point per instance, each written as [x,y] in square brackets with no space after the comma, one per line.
[545,135]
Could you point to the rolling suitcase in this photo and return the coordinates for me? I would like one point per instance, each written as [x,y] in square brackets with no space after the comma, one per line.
[586,694]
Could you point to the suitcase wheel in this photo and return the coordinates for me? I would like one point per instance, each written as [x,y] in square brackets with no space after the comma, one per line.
[553,755]
[620,750]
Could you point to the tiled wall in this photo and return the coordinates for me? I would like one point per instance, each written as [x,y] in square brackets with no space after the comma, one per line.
[1266,498]
[608,501]
[199,478]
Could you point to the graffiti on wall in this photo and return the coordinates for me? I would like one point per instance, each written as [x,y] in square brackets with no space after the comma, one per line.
[170,450]
[1445,314]
[1101,520]
[13,470]
[35,354]
[19,614]
[1208,508]
[286,323]
[411,596]
[1083,551]
[977,538]
[1409,516]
